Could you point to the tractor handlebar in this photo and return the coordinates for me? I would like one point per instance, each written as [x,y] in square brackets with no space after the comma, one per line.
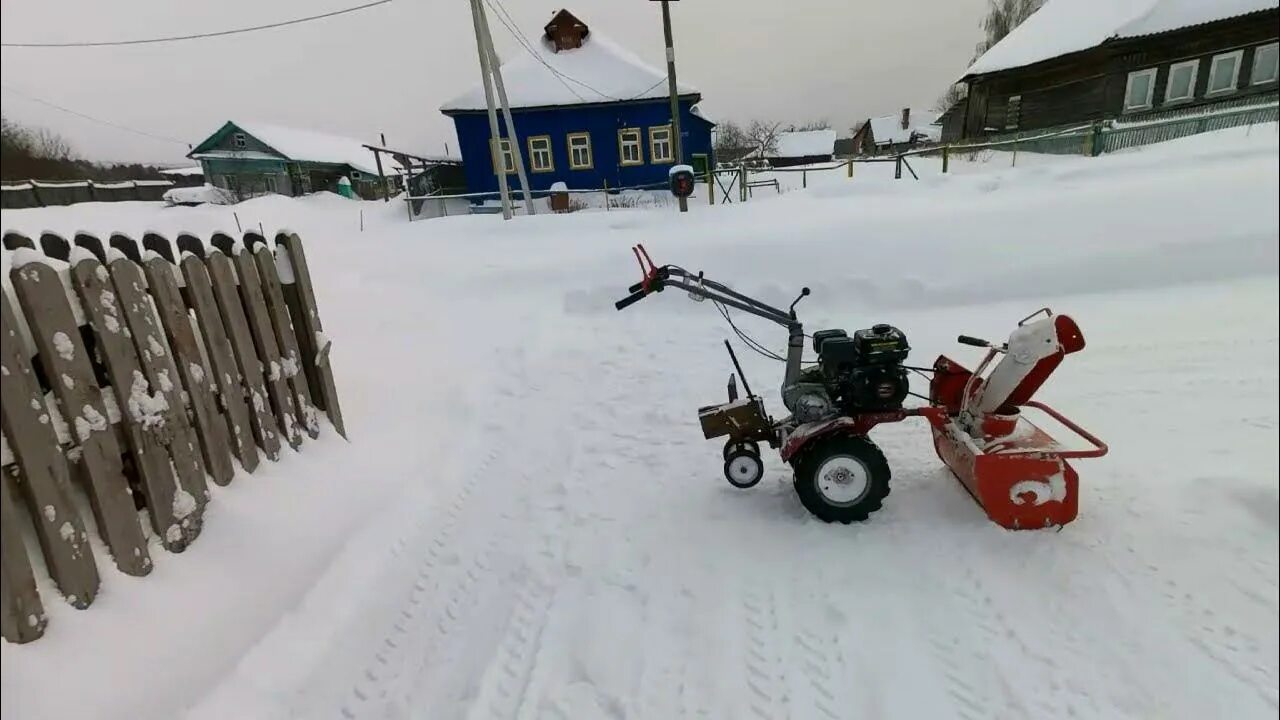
[970,340]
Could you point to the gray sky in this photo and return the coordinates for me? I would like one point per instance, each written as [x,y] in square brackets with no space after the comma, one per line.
[387,69]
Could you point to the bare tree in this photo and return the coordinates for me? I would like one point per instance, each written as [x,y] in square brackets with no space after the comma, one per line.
[763,136]
[731,140]
[953,95]
[811,125]
[1002,17]
[49,145]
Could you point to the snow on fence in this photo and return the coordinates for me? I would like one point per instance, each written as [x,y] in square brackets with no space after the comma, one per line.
[39,193]
[130,379]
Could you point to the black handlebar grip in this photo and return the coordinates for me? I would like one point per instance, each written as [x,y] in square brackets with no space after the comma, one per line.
[976,342]
[629,300]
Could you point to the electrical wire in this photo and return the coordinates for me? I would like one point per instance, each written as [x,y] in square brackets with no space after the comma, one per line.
[91,118]
[197,36]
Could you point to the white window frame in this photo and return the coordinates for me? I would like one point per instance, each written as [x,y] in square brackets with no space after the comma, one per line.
[1151,89]
[655,157]
[1238,56]
[535,151]
[269,183]
[239,140]
[630,137]
[1191,88]
[1275,66]
[501,152]
[1011,123]
[584,146]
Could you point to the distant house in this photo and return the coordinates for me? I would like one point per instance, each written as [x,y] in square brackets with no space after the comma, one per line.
[952,120]
[896,133]
[257,158]
[587,113]
[1077,61]
[803,147]
[846,147]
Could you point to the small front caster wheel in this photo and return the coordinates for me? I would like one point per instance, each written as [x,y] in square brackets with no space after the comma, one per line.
[733,446]
[743,469]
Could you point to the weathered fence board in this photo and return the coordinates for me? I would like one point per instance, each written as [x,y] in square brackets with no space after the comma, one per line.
[162,376]
[300,296]
[145,433]
[47,307]
[264,339]
[226,377]
[45,481]
[22,616]
[191,368]
[262,420]
[291,360]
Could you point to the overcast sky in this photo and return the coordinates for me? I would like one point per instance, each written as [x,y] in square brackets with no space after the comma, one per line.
[387,69]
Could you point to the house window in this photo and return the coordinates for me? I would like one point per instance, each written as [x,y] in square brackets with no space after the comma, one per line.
[269,182]
[240,140]
[1013,112]
[580,151]
[1138,90]
[503,156]
[1224,71]
[629,152]
[1265,69]
[540,154]
[355,174]
[1182,81]
[660,144]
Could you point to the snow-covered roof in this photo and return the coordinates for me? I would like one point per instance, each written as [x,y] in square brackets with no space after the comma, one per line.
[193,170]
[806,143]
[1061,27]
[600,71]
[306,144]
[888,128]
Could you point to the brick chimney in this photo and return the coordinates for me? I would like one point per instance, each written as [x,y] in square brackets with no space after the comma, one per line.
[906,118]
[565,31]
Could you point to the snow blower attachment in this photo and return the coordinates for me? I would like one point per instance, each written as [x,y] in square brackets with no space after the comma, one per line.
[1016,471]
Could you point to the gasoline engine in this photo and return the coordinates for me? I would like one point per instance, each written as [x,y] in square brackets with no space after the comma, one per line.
[862,373]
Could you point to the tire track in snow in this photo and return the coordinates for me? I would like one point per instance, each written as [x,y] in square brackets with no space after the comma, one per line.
[765,676]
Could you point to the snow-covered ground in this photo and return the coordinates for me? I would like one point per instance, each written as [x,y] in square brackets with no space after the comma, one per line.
[527,523]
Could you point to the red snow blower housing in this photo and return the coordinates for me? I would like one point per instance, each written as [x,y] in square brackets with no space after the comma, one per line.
[1016,471]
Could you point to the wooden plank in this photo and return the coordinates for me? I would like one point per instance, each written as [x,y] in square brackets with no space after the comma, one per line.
[255,305]
[144,428]
[300,296]
[161,374]
[261,419]
[291,358]
[22,617]
[226,374]
[46,306]
[46,478]
[191,366]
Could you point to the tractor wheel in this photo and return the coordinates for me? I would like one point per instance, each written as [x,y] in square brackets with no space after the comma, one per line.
[743,469]
[842,479]
[732,446]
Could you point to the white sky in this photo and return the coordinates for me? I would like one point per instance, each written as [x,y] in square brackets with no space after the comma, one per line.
[387,69]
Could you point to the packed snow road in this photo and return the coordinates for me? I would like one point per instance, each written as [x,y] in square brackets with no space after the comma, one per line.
[528,523]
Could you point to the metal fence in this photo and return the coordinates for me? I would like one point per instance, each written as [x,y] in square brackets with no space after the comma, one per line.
[42,193]
[132,381]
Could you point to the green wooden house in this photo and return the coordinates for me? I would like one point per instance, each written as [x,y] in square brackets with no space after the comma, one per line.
[250,159]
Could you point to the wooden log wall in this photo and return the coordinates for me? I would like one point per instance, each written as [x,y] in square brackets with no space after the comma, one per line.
[131,378]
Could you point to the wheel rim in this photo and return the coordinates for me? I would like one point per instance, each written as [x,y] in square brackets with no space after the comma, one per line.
[842,480]
[744,470]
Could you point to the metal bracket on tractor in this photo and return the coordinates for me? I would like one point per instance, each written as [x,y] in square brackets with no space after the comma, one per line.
[1016,471]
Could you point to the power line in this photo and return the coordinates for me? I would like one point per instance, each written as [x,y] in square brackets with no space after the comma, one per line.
[91,118]
[196,36]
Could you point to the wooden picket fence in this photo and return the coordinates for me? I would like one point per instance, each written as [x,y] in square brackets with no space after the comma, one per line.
[129,378]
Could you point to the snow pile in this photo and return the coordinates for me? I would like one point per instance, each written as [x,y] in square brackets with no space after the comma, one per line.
[805,143]
[506,517]
[205,194]
[1066,26]
[601,71]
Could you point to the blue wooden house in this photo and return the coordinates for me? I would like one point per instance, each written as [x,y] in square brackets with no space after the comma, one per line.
[587,113]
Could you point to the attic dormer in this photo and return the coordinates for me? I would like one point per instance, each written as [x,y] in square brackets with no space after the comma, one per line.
[566,32]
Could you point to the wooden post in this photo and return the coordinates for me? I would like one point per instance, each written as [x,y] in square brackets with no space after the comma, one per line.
[897,167]
[22,617]
[804,179]
[711,188]
[742,186]
[290,357]
[301,298]
[382,179]
[850,167]
[606,196]
[946,155]
[264,339]
[1013,162]
[66,363]
[46,477]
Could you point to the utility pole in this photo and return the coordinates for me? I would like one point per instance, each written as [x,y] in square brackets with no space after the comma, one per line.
[495,140]
[675,96]
[517,152]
